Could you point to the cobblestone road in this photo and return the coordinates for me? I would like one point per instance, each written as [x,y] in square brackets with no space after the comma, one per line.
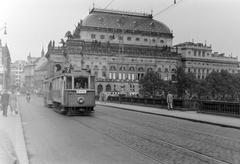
[167,140]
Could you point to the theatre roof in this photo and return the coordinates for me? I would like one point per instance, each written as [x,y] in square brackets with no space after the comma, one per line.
[103,18]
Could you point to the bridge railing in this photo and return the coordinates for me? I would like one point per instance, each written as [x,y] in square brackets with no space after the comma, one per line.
[177,103]
[212,107]
[220,107]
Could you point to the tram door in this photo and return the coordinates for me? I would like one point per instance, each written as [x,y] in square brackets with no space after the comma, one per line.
[50,92]
[92,82]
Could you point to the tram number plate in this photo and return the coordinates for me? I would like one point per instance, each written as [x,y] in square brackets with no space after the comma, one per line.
[80,91]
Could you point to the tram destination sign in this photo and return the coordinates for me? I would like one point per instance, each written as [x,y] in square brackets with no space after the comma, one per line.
[81,91]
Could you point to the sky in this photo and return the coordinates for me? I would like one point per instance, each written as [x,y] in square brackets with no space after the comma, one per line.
[31,24]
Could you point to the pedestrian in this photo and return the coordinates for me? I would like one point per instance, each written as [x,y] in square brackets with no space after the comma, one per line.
[103,97]
[13,102]
[5,102]
[28,96]
[170,101]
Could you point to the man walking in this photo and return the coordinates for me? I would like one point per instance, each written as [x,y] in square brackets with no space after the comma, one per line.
[170,101]
[13,102]
[4,102]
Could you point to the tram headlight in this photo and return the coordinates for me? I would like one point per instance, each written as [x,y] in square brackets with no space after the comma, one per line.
[80,100]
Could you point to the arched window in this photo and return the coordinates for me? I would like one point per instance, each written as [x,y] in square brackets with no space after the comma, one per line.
[99,88]
[113,68]
[149,69]
[131,69]
[122,68]
[108,88]
[140,69]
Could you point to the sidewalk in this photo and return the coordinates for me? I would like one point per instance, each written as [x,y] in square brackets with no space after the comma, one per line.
[13,143]
[186,115]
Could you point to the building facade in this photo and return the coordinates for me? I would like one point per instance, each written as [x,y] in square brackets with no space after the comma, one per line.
[119,48]
[29,72]
[17,71]
[199,59]
[5,61]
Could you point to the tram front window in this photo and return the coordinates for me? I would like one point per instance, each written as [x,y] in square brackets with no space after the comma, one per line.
[80,83]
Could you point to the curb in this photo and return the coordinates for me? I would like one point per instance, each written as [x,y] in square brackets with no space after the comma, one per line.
[21,149]
[182,118]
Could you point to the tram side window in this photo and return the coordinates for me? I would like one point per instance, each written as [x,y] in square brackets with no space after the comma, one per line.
[81,83]
[69,82]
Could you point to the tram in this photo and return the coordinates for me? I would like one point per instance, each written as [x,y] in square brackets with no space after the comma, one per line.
[70,93]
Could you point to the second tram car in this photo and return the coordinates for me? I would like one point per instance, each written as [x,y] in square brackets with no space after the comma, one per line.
[70,93]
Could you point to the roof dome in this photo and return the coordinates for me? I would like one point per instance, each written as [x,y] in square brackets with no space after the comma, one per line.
[124,20]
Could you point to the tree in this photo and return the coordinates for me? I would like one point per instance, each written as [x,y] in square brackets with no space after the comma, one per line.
[221,85]
[186,82]
[151,84]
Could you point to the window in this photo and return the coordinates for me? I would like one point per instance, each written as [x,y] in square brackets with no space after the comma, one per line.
[120,76]
[131,69]
[96,74]
[137,39]
[93,36]
[104,74]
[129,38]
[149,69]
[80,82]
[203,54]
[108,88]
[102,36]
[122,68]
[133,77]
[120,38]
[140,69]
[161,41]
[153,40]
[111,37]
[123,76]
[145,39]
[112,68]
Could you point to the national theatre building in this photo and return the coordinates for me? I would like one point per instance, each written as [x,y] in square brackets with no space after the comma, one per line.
[120,47]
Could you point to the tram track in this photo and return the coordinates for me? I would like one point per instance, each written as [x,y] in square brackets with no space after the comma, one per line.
[162,150]
[209,138]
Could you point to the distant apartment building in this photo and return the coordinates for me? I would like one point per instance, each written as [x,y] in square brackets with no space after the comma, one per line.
[40,72]
[199,59]
[17,73]
[29,72]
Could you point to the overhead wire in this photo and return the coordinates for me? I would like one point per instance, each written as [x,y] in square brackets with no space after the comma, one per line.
[165,9]
[108,4]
